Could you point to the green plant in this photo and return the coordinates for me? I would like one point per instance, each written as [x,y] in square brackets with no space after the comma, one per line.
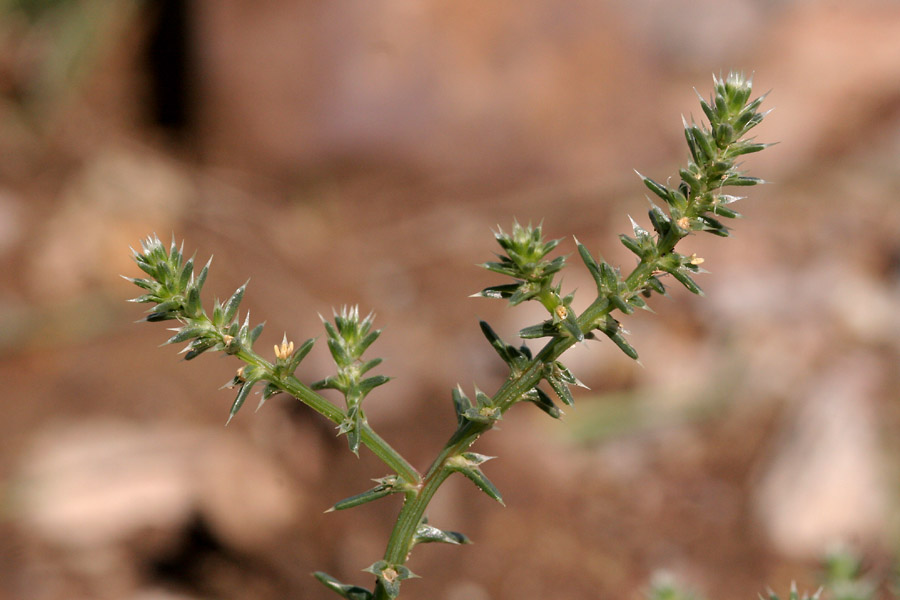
[843,575]
[697,203]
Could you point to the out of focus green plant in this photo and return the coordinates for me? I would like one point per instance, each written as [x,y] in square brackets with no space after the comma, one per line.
[62,39]
[697,203]
[841,574]
[664,587]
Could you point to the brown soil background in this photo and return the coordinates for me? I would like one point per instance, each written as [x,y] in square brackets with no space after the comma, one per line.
[360,153]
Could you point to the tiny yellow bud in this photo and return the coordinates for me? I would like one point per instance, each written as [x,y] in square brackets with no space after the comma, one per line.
[227,339]
[684,223]
[561,311]
[696,260]
[284,350]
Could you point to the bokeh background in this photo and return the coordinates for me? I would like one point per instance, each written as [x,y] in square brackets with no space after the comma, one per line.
[348,152]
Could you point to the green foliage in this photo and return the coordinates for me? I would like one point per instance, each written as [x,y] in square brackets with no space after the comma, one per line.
[843,576]
[348,339]
[696,204]
[664,588]
[794,595]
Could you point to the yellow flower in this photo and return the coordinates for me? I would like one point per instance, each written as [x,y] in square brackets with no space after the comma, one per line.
[283,351]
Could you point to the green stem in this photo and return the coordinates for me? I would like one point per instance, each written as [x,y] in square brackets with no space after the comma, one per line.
[403,534]
[291,385]
[400,542]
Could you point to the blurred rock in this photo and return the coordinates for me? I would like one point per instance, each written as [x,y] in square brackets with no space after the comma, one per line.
[120,196]
[96,486]
[826,481]
[721,30]
[440,87]
[835,72]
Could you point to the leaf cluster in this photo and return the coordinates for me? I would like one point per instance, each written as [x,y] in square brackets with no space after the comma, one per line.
[348,338]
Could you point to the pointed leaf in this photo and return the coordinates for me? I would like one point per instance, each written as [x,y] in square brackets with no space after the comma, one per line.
[503,292]
[685,280]
[426,534]
[467,464]
[241,397]
[537,397]
[270,390]
[254,334]
[703,142]
[201,278]
[338,350]
[545,329]
[662,224]
[570,325]
[524,292]
[193,307]
[561,389]
[610,278]
[198,347]
[509,354]
[350,592]
[475,475]
[362,345]
[724,211]
[619,303]
[632,244]
[656,285]
[691,179]
[186,333]
[506,267]
[368,365]
[146,284]
[351,426]
[379,491]
[367,385]
[186,272]
[461,404]
[156,317]
[591,264]
[231,307]
[742,180]
[614,332]
[657,188]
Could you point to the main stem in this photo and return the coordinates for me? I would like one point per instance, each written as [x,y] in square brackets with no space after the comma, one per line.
[401,540]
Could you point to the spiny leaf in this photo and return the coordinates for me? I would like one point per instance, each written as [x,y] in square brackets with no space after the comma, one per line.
[231,307]
[350,592]
[500,292]
[241,397]
[379,491]
[426,534]
[537,397]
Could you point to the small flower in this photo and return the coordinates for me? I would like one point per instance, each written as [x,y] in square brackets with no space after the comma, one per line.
[696,260]
[283,351]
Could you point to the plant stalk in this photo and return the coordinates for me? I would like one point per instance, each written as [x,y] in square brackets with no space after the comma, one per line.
[293,386]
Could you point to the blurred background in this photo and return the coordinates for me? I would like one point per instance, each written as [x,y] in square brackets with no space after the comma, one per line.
[360,152]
